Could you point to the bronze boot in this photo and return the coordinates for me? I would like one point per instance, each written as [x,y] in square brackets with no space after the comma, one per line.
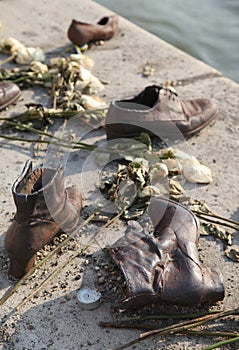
[44,208]
[164,267]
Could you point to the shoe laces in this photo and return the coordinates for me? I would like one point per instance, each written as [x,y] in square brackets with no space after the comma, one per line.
[169,91]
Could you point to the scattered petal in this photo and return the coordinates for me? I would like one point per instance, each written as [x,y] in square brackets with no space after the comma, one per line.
[92,102]
[197,173]
[38,67]
[173,165]
[83,60]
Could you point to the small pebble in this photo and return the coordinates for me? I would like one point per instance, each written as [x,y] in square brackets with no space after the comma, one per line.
[101,280]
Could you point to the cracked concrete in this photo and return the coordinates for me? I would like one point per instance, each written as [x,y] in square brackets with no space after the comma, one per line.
[54,320]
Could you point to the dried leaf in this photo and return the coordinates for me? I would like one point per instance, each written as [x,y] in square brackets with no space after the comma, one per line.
[233,254]
[215,230]
[92,102]
[174,188]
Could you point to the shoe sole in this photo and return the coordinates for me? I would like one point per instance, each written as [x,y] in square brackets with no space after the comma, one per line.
[8,103]
[209,121]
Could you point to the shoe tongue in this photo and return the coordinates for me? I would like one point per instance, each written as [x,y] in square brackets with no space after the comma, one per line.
[168,101]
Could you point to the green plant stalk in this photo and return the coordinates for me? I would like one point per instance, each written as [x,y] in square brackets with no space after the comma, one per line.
[130,325]
[177,328]
[57,113]
[169,316]
[41,262]
[222,343]
[8,59]
[216,216]
[210,333]
[75,146]
[26,77]
[43,133]
[218,222]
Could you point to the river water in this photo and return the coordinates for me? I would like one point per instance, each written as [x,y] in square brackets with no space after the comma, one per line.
[206,29]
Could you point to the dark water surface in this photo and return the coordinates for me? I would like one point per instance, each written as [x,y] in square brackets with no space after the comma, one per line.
[206,29]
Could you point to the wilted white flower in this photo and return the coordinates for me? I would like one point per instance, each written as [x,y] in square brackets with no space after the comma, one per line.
[197,173]
[87,78]
[25,55]
[11,44]
[83,60]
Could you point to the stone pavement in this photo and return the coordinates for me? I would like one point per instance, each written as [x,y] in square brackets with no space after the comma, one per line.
[54,320]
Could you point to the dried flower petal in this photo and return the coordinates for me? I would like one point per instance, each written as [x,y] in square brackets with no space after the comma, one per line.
[57,61]
[88,79]
[173,165]
[158,172]
[92,102]
[197,173]
[83,60]
[38,67]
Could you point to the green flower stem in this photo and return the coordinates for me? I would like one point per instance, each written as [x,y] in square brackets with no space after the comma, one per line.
[210,334]
[222,343]
[43,133]
[75,146]
[216,216]
[177,328]
[168,316]
[8,59]
[218,222]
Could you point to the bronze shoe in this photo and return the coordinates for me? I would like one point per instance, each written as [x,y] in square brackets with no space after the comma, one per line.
[158,111]
[81,33]
[44,208]
[164,267]
[9,93]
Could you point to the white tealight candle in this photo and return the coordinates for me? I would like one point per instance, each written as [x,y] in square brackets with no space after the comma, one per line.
[89,299]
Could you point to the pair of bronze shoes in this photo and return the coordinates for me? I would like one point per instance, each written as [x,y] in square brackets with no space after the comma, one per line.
[160,267]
